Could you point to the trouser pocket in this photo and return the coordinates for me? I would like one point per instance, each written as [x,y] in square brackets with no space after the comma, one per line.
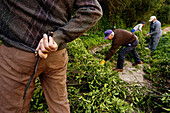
[135,43]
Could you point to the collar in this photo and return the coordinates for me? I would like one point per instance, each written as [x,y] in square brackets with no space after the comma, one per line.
[154,21]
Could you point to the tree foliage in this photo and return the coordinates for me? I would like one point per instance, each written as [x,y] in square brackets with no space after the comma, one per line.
[163,14]
[126,13]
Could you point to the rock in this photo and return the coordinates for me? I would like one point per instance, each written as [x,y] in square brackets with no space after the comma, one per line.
[132,74]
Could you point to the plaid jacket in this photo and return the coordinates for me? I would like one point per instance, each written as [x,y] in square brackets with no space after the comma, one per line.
[26,21]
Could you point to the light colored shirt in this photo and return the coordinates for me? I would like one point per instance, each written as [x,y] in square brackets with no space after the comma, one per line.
[138,27]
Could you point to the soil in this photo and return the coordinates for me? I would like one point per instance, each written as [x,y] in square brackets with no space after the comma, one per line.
[166,30]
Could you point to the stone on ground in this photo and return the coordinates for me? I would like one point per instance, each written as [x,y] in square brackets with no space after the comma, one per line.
[131,73]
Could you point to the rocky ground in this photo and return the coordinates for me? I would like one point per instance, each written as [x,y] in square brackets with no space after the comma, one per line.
[132,73]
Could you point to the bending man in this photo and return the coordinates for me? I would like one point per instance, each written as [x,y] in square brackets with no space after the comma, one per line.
[122,37]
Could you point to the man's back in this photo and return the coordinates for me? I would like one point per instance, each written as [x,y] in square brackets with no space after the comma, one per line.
[138,27]
[123,37]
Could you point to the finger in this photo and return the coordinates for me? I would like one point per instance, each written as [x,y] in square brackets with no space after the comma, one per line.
[52,44]
[55,46]
[42,55]
[45,42]
[42,48]
[51,40]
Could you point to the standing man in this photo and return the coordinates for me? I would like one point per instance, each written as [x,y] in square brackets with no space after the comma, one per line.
[122,38]
[138,27]
[155,32]
[43,26]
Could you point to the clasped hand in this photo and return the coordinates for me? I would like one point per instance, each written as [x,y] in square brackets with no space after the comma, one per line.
[46,45]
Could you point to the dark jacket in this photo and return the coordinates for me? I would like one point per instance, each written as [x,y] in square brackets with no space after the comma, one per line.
[121,38]
[26,21]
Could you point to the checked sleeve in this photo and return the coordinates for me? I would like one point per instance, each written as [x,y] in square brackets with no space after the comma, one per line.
[87,14]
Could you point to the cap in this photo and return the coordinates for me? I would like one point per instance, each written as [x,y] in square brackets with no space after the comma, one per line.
[107,33]
[143,22]
[151,18]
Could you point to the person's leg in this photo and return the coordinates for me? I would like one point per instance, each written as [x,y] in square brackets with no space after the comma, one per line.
[53,81]
[15,69]
[136,56]
[134,52]
[150,43]
[155,43]
[122,56]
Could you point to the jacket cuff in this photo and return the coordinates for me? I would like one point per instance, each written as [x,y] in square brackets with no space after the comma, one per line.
[59,39]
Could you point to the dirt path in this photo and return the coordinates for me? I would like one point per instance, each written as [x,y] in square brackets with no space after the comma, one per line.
[93,51]
[132,74]
[166,30]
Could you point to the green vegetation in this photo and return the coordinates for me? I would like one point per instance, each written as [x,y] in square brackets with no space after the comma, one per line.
[165,26]
[127,13]
[93,40]
[93,88]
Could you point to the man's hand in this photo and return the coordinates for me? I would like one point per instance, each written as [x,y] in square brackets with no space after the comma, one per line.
[147,34]
[103,62]
[46,45]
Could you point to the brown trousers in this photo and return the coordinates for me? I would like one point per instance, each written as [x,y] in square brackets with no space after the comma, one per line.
[16,67]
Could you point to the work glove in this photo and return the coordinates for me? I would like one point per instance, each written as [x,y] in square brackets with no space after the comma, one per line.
[103,62]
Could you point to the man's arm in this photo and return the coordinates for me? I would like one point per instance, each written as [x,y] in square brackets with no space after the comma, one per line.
[140,27]
[87,14]
[111,52]
[149,31]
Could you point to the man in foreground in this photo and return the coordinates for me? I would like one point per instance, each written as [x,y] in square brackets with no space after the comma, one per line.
[122,38]
[155,32]
[43,26]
